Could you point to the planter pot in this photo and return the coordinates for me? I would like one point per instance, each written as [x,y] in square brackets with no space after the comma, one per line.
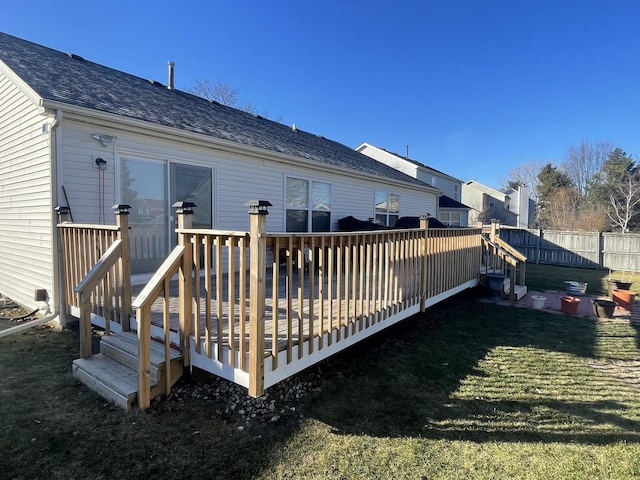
[575,288]
[495,284]
[538,301]
[617,285]
[604,308]
[624,298]
[569,304]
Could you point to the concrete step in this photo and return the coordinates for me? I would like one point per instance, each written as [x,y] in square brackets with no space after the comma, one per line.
[111,380]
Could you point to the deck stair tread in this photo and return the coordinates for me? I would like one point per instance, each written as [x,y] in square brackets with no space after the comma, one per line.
[109,378]
[113,374]
[128,342]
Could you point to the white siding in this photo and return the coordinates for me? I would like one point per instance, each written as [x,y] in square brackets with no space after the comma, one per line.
[26,216]
[238,178]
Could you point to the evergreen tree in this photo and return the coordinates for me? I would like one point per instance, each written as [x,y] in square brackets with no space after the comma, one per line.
[550,179]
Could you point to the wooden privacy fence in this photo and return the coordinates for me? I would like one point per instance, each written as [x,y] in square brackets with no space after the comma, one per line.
[609,250]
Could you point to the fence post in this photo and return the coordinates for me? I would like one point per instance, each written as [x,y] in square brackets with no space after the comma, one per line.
[122,222]
[600,251]
[424,272]
[184,211]
[539,246]
[258,211]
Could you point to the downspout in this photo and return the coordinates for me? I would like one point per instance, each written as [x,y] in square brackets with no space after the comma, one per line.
[57,298]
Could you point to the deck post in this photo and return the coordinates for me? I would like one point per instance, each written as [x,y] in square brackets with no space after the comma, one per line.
[257,272]
[62,271]
[122,222]
[495,229]
[184,211]
[424,272]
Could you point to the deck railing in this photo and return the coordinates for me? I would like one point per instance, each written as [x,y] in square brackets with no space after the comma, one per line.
[85,264]
[257,307]
[262,305]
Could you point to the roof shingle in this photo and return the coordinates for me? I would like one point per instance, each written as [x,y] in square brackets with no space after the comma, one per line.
[71,80]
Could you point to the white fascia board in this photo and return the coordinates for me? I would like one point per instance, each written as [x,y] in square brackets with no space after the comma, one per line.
[21,84]
[439,174]
[163,132]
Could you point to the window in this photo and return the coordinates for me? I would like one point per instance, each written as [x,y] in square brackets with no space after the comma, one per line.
[450,218]
[387,207]
[308,206]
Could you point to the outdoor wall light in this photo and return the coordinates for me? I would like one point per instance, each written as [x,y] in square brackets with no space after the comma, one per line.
[104,139]
[258,207]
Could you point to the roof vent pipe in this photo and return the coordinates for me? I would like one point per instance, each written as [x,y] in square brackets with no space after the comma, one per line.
[171,70]
[294,128]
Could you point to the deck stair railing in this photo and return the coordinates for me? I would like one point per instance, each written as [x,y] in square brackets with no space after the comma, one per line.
[96,271]
[500,257]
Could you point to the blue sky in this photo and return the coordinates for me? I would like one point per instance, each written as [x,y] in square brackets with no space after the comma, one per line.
[472,87]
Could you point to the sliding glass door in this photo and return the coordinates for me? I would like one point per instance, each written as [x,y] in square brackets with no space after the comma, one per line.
[143,185]
[151,187]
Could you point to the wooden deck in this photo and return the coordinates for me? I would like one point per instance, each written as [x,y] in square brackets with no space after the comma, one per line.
[283,313]
[257,307]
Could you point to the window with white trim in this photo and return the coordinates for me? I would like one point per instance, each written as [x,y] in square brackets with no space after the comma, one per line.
[450,218]
[387,208]
[308,205]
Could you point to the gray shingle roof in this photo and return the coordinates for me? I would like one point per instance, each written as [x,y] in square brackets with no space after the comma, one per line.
[69,79]
[448,202]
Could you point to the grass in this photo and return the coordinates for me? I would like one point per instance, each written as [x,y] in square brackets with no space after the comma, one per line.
[549,277]
[467,390]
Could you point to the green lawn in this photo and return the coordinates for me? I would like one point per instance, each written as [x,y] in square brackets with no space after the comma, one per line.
[549,277]
[467,390]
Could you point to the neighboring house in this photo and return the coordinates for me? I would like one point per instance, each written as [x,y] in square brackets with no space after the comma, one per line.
[451,210]
[512,207]
[79,134]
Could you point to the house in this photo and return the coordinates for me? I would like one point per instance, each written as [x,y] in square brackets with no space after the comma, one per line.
[78,134]
[513,207]
[451,211]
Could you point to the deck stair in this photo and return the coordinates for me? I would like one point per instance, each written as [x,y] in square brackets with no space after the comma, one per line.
[519,290]
[112,373]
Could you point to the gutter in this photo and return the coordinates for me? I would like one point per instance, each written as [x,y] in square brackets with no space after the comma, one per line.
[28,325]
[220,144]
[57,298]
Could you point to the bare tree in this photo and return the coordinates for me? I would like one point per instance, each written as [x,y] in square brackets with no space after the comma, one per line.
[219,92]
[624,199]
[225,95]
[584,161]
[568,210]
[525,174]
[617,186]
[561,208]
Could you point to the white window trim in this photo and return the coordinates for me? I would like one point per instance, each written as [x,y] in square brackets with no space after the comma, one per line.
[388,213]
[309,209]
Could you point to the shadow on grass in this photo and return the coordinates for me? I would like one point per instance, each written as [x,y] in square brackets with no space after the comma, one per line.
[53,428]
[481,372]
